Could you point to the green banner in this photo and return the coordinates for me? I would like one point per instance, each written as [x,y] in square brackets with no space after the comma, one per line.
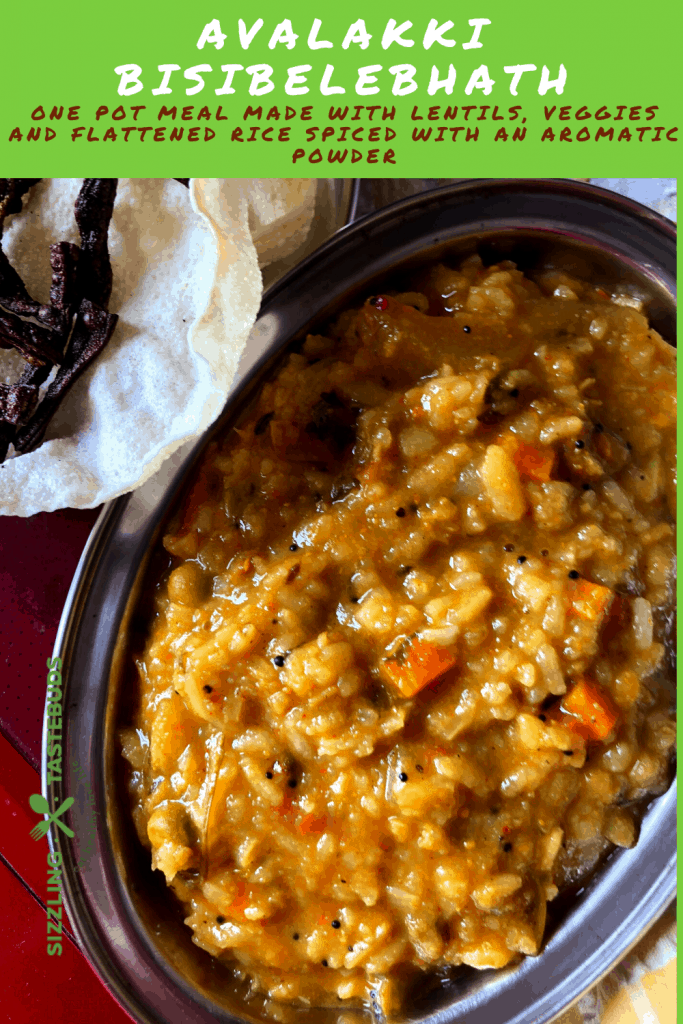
[389,89]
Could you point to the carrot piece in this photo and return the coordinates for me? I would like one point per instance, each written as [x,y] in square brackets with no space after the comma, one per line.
[591,709]
[589,600]
[309,823]
[534,463]
[416,664]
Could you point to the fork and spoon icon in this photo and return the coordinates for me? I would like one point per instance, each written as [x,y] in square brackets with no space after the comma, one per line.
[40,805]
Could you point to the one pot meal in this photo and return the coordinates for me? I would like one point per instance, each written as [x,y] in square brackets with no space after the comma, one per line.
[408,673]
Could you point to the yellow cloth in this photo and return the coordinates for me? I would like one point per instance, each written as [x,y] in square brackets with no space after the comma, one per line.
[641,989]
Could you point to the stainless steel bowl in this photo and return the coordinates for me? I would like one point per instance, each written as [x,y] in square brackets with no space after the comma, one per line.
[121,911]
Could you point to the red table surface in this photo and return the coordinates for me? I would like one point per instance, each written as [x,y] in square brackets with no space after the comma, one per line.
[38,557]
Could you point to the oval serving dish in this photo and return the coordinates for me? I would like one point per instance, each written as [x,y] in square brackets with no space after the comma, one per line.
[121,911]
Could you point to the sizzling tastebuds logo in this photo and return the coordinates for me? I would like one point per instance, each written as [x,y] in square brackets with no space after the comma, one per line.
[54,904]
[54,754]
[40,805]
[54,721]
